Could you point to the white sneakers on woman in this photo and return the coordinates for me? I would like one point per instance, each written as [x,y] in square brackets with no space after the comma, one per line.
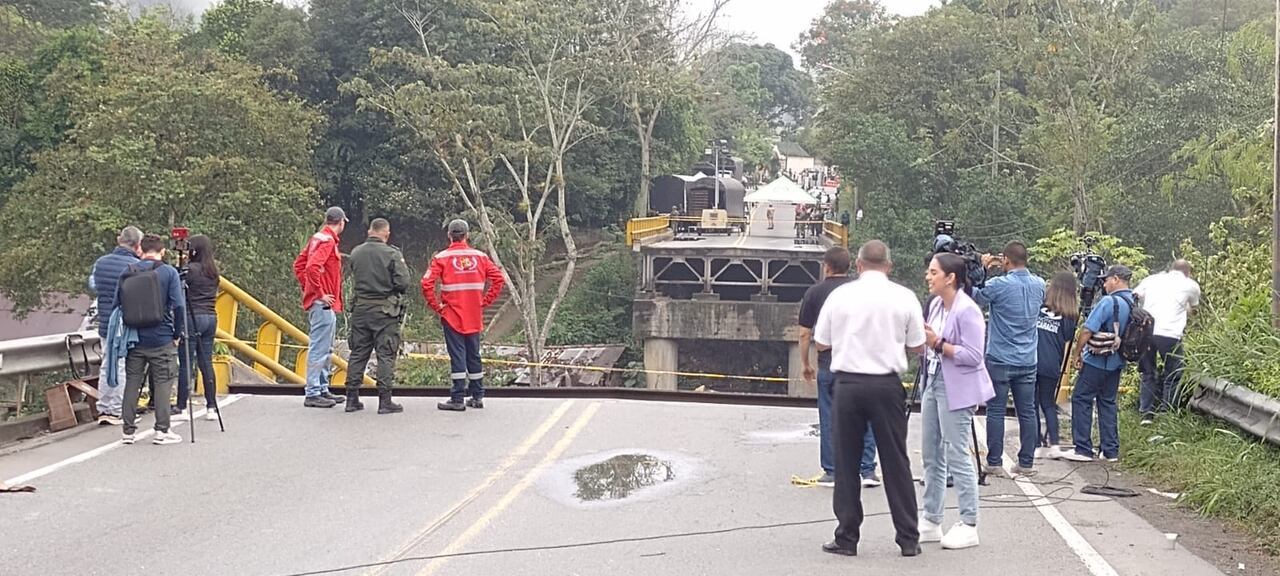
[960,536]
[929,532]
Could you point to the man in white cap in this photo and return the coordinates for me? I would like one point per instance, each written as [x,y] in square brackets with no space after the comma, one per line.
[462,272]
[318,269]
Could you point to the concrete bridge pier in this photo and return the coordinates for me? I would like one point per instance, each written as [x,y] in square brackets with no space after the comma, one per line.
[660,355]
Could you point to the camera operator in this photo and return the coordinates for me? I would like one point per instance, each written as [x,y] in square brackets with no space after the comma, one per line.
[202,293]
[1014,300]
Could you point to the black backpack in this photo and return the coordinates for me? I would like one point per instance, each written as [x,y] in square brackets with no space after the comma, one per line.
[142,298]
[1136,340]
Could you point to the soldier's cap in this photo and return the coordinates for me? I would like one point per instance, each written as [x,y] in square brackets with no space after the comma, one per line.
[335,214]
[459,226]
[1119,271]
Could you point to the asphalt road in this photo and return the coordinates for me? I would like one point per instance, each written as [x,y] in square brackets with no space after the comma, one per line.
[288,490]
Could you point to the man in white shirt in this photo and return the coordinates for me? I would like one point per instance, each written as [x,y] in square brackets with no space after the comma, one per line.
[1169,297]
[870,325]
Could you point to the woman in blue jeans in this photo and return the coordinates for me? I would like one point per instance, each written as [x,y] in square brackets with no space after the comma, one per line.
[202,293]
[956,384]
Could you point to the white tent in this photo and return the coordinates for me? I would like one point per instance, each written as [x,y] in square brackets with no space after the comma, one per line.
[782,191]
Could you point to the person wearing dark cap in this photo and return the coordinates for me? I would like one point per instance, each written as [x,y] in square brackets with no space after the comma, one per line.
[381,280]
[318,269]
[462,272]
[1099,366]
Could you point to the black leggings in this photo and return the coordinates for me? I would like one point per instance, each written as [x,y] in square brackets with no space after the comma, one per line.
[1047,406]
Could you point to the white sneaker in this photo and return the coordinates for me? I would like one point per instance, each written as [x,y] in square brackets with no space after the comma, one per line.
[929,532]
[126,439]
[211,415]
[163,438]
[871,481]
[997,471]
[178,417]
[1074,456]
[1046,452]
[960,536]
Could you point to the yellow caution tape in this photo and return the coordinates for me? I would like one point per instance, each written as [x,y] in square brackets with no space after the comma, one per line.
[521,363]
[805,482]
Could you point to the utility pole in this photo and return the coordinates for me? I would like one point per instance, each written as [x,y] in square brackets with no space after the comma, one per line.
[995,130]
[1275,186]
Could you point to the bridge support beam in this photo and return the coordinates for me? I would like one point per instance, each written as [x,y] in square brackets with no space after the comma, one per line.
[797,387]
[660,355]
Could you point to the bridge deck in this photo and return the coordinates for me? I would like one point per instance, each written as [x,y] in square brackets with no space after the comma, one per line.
[741,242]
[288,490]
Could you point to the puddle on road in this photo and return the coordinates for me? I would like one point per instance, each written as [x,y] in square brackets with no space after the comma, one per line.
[620,476]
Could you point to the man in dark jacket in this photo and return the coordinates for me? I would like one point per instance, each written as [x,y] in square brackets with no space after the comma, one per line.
[156,352]
[102,282]
[381,280]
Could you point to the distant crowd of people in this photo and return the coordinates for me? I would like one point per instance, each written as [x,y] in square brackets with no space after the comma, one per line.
[865,329]
[158,322]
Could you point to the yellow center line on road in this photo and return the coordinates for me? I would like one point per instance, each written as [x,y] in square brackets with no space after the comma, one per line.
[514,457]
[515,491]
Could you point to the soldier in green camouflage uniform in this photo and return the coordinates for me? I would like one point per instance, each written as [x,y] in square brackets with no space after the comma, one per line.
[381,280]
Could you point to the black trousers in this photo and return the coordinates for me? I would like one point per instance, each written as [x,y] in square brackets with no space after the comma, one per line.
[880,401]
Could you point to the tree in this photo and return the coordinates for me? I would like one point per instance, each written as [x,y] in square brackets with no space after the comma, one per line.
[59,13]
[839,38]
[501,130]
[167,138]
[662,58]
[787,99]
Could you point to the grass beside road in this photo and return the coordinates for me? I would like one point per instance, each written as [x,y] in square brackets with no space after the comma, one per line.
[1220,471]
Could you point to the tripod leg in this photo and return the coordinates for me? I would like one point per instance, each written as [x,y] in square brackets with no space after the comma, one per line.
[221,426]
[977,458]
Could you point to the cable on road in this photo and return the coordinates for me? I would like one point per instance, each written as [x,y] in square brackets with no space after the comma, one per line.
[1048,499]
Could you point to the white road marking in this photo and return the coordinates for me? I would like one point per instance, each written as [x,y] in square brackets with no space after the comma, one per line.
[1097,565]
[94,453]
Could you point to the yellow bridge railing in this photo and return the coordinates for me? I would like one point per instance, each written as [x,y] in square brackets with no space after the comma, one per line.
[836,232]
[640,228]
[265,350]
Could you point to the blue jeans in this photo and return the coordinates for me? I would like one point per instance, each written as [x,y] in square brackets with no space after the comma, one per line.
[826,454]
[945,448]
[1021,380]
[465,370]
[322,322]
[1095,385]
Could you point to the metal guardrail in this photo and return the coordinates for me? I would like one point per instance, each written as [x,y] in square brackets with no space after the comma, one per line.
[1255,413]
[78,350]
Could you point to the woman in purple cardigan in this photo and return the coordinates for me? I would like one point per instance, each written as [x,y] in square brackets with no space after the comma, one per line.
[957,382]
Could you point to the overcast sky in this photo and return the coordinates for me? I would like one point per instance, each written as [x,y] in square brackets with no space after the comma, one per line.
[777,22]
[780,22]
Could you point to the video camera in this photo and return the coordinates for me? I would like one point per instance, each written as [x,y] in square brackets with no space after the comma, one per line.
[1089,267]
[944,240]
[182,246]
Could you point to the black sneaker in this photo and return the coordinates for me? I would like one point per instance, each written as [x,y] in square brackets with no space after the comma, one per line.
[335,399]
[452,406]
[476,403]
[318,402]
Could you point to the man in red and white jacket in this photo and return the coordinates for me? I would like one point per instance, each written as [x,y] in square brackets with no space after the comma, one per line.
[462,272]
[318,269]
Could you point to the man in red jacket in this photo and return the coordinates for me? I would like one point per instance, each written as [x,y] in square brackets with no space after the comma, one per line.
[318,269]
[461,272]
